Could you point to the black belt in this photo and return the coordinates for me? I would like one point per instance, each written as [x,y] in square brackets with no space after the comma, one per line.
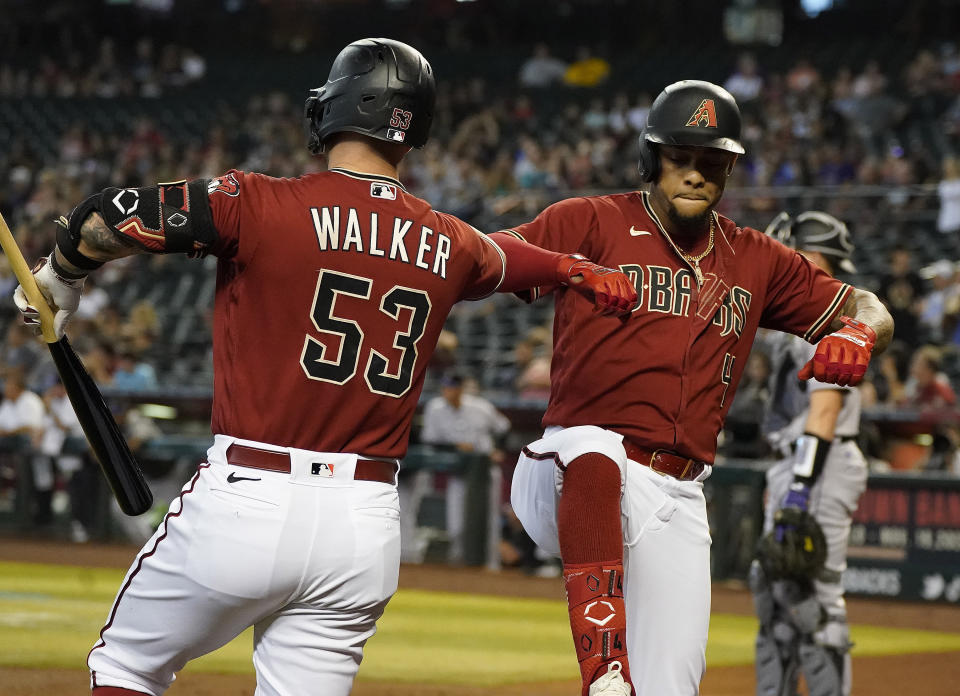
[268,460]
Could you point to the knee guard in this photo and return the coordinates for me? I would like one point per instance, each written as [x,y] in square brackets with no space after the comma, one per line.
[776,640]
[823,668]
[831,670]
[776,673]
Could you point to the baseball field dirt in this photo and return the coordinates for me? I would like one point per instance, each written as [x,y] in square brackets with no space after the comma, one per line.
[930,674]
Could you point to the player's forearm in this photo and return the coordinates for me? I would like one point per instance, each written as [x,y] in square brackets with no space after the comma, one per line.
[526,266]
[864,306]
[98,242]
[825,405]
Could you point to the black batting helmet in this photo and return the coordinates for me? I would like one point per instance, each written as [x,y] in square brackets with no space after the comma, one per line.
[380,88]
[691,113]
[815,231]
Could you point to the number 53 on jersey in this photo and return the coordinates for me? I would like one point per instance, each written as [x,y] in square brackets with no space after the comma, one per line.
[383,375]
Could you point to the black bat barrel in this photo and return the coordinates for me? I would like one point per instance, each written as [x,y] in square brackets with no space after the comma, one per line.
[108,444]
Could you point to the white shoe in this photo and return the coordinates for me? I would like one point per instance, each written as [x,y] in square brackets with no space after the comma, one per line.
[611,683]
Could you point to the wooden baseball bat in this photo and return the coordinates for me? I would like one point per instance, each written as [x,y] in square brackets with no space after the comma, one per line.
[107,442]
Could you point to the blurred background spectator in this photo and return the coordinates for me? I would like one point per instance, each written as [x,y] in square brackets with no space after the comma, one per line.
[468,423]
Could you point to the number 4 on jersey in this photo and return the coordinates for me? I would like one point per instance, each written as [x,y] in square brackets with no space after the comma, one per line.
[379,376]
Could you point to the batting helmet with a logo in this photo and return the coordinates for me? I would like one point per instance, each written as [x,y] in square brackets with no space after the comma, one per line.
[380,88]
[689,113]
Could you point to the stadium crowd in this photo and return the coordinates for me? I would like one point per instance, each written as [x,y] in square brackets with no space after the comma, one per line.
[501,153]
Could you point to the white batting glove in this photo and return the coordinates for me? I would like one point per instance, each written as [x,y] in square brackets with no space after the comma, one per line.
[62,294]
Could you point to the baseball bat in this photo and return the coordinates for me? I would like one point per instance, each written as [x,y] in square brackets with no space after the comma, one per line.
[101,430]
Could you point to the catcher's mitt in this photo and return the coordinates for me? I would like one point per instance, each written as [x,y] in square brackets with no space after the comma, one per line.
[802,550]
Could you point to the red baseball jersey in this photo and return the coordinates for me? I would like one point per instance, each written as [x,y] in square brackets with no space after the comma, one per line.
[331,292]
[666,376]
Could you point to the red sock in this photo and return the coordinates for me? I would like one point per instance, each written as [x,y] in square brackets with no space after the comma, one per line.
[115,691]
[591,543]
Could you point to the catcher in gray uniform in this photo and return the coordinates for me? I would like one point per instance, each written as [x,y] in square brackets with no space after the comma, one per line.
[812,490]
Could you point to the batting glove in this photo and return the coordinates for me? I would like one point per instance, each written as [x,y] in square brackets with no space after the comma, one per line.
[610,290]
[843,356]
[62,294]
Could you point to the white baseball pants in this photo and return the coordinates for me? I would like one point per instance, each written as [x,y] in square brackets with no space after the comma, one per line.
[310,561]
[666,554]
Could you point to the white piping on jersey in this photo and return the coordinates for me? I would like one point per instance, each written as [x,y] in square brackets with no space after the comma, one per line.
[503,263]
[368,177]
[643,197]
[831,309]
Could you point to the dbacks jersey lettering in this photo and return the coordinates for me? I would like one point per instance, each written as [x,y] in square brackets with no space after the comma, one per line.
[337,286]
[666,377]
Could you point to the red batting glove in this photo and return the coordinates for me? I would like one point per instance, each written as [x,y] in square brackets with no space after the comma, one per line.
[843,356]
[610,290]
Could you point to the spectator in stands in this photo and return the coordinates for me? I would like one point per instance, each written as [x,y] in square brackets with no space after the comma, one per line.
[59,423]
[93,301]
[884,385]
[948,219]
[99,362]
[927,387]
[533,382]
[637,115]
[901,290]
[745,82]
[870,82]
[21,417]
[21,410]
[803,77]
[469,424]
[541,69]
[588,70]
[933,306]
[132,374]
[20,352]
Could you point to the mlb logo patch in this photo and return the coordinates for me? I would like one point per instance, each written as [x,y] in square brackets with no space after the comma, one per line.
[322,469]
[384,191]
[396,135]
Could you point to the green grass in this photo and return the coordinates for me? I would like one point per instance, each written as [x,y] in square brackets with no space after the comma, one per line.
[50,616]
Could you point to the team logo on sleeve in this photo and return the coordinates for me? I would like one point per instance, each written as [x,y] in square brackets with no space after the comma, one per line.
[705,115]
[227,184]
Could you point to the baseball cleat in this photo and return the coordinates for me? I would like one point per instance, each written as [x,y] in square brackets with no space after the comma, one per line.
[611,683]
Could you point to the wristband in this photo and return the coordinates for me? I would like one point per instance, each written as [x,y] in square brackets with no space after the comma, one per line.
[809,458]
[67,245]
[61,271]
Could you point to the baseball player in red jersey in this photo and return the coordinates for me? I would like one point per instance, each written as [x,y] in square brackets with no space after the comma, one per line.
[615,484]
[331,292]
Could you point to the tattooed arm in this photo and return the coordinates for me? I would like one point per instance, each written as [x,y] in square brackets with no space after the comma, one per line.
[866,307]
[100,243]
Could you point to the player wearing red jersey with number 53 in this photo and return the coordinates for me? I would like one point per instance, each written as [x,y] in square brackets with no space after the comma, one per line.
[331,292]
[615,485]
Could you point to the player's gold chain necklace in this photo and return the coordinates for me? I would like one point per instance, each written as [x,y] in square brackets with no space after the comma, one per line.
[695,260]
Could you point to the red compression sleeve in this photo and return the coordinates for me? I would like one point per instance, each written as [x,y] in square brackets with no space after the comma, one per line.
[527,266]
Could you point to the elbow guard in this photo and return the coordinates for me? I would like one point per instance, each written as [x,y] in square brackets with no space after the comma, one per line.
[166,218]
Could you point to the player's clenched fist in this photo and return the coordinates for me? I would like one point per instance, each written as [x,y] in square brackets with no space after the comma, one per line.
[842,357]
[610,290]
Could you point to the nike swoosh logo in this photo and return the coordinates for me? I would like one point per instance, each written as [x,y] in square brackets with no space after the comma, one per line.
[634,232]
[233,478]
